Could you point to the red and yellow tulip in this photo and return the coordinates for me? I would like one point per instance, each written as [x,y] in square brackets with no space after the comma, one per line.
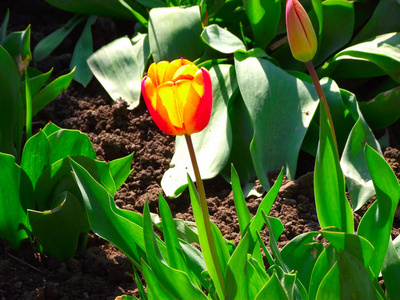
[301,35]
[179,96]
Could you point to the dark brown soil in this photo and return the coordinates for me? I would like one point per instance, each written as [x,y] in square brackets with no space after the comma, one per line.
[101,271]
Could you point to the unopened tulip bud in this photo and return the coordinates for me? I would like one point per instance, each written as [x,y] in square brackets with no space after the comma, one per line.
[301,35]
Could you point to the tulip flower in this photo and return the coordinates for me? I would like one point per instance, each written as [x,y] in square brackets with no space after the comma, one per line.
[179,96]
[300,32]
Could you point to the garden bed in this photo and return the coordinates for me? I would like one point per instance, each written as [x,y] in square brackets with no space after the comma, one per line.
[101,271]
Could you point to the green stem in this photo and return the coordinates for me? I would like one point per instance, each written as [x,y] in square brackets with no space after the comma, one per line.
[204,209]
[321,96]
[28,107]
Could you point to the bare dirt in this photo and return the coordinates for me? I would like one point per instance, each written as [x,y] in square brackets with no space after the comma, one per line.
[101,271]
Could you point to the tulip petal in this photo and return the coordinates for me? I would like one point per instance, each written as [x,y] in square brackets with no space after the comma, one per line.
[166,94]
[149,90]
[185,72]
[160,72]
[189,99]
[198,83]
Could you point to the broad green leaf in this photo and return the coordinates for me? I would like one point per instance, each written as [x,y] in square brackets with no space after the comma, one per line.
[242,211]
[390,272]
[324,263]
[384,20]
[242,133]
[118,68]
[57,230]
[16,196]
[205,243]
[174,32]
[353,161]
[383,110]
[167,276]
[377,222]
[51,91]
[264,18]
[236,272]
[212,145]
[280,115]
[52,41]
[301,254]
[140,286]
[337,28]
[333,208]
[50,128]
[221,39]
[83,50]
[35,156]
[356,245]
[348,279]
[272,290]
[111,8]
[10,80]
[120,169]
[375,57]
[3,27]
[121,232]
[67,142]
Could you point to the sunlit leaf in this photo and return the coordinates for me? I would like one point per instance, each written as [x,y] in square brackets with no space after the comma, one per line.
[119,67]
[174,32]
[221,39]
[280,115]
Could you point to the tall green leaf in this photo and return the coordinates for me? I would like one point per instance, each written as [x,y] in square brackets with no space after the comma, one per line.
[377,222]
[105,221]
[167,276]
[10,80]
[390,272]
[51,91]
[83,50]
[280,115]
[52,41]
[353,161]
[333,208]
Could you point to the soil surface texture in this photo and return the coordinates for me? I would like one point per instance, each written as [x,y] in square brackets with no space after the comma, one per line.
[102,271]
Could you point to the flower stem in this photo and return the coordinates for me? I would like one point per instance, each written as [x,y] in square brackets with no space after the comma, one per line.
[321,96]
[204,209]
